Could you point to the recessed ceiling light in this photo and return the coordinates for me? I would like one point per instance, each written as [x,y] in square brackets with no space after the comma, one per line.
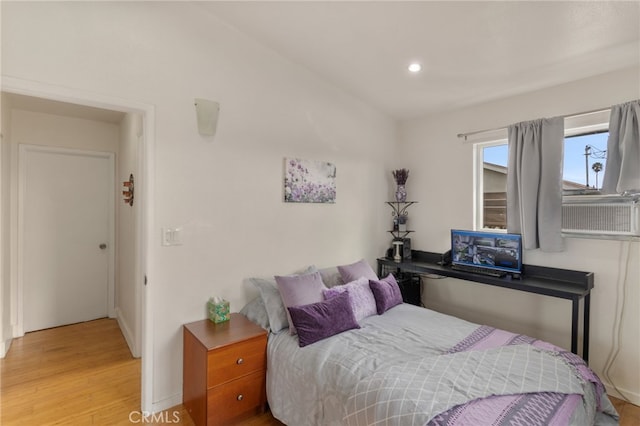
[415,67]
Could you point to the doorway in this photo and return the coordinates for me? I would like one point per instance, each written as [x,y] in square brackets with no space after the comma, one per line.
[144,121]
[66,235]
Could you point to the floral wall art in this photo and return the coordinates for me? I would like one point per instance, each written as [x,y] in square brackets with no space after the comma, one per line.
[309,181]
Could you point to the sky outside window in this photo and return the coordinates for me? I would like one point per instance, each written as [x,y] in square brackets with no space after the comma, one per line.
[575,168]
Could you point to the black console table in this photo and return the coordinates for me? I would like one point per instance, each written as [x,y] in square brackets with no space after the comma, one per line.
[562,283]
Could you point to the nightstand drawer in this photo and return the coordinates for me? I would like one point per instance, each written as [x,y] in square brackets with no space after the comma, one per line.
[228,363]
[236,399]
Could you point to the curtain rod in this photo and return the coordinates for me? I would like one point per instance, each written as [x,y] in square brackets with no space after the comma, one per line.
[495,129]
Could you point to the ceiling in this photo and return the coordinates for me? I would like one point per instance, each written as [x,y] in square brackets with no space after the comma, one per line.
[471,52]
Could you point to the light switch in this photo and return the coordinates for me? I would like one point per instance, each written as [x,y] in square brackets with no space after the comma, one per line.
[171,236]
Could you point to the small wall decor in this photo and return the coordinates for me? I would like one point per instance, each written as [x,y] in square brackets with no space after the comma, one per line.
[309,181]
[128,192]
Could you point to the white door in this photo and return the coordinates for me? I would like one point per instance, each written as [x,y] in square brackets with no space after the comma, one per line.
[67,199]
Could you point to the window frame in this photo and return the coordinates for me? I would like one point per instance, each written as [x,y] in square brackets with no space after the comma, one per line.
[575,125]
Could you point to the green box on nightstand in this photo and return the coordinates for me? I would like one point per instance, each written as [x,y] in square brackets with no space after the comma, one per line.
[219,312]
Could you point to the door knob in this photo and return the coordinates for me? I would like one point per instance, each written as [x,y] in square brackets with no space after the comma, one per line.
[102,246]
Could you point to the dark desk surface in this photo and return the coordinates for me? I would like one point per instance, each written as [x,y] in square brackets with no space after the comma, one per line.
[563,283]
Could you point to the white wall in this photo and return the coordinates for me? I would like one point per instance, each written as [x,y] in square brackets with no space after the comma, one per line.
[5,212]
[225,194]
[37,128]
[442,179]
[128,291]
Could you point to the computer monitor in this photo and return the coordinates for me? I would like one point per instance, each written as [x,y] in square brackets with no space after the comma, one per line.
[493,250]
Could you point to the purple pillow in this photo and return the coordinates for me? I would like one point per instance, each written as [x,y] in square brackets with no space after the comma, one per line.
[318,321]
[386,292]
[297,290]
[356,270]
[361,298]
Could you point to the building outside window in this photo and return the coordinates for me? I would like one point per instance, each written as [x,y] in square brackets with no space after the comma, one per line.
[583,169]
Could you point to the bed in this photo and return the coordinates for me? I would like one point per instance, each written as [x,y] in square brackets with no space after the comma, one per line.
[413,366]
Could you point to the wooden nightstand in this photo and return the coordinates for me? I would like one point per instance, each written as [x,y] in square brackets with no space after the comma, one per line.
[224,370]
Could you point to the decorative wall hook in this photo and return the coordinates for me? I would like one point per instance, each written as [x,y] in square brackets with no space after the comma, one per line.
[128,194]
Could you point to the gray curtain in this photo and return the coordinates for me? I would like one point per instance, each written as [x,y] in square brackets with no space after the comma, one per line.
[622,172]
[534,183]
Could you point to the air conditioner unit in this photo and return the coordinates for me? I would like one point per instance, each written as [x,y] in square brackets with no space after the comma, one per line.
[601,216]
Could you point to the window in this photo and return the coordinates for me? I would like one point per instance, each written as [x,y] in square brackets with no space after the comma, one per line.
[585,157]
[494,185]
[583,169]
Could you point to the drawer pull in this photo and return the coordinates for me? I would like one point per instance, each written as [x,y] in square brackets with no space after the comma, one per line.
[240,397]
[240,361]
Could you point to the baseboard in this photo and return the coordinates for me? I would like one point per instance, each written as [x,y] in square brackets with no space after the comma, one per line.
[17,330]
[5,345]
[167,403]
[128,335]
[626,395]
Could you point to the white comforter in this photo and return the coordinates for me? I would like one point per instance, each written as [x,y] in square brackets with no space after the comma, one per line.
[323,383]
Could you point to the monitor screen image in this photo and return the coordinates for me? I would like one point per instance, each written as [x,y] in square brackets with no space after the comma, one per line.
[494,250]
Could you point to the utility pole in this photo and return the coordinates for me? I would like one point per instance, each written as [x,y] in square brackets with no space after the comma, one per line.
[587,153]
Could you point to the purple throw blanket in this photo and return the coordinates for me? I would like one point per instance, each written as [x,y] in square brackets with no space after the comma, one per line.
[545,408]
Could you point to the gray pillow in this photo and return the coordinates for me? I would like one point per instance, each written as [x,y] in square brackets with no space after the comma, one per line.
[272,301]
[256,312]
[331,276]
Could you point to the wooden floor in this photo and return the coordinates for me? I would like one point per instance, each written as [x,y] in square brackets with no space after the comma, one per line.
[83,374]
